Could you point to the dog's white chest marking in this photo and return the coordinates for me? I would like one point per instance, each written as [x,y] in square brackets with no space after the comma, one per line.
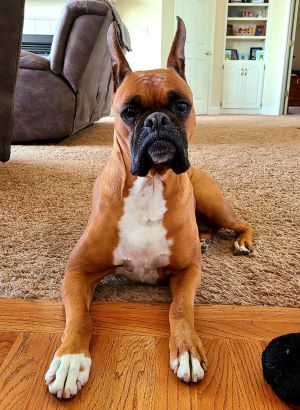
[143,246]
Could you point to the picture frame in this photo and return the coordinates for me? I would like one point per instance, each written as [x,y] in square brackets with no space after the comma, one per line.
[260,55]
[232,53]
[260,30]
[229,31]
[253,51]
[245,31]
[243,55]
[248,13]
[227,55]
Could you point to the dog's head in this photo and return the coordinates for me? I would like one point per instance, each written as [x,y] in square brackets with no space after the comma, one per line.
[153,109]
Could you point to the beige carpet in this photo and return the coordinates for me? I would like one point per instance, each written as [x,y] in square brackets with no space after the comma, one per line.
[45,195]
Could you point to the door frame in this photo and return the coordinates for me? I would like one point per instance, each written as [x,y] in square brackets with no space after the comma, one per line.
[294,7]
[211,57]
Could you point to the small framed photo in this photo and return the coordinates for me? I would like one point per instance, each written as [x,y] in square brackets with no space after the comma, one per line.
[245,31]
[229,30]
[234,53]
[253,51]
[248,13]
[231,54]
[260,30]
[243,55]
[227,54]
[260,55]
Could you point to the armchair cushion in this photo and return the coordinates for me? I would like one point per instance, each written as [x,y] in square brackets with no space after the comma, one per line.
[33,61]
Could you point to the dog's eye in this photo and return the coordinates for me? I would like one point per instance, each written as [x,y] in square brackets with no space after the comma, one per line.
[182,106]
[131,112]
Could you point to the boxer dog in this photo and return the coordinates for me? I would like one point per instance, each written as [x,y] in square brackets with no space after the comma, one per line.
[143,220]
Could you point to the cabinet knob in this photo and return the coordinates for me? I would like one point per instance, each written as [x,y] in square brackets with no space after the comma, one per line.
[242,71]
[246,71]
[208,52]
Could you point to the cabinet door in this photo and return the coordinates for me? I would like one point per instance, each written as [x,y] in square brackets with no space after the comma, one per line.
[253,84]
[232,84]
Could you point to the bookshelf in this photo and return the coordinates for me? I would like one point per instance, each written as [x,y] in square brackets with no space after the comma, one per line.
[246,27]
[246,34]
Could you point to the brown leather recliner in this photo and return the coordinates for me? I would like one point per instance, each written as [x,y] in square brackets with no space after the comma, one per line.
[58,97]
[11,25]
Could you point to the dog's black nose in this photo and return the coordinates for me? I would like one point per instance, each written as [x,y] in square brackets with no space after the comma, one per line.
[156,121]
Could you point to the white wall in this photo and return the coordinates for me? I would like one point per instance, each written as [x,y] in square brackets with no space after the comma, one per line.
[168,21]
[41,16]
[144,21]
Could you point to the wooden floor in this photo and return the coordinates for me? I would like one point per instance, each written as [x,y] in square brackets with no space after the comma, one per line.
[130,357]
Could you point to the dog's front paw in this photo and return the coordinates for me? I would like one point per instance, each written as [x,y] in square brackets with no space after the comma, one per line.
[204,245]
[242,247]
[67,373]
[187,357]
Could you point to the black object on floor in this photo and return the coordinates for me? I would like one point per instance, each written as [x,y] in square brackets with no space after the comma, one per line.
[281,367]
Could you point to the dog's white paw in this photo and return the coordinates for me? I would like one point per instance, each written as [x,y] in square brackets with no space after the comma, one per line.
[66,374]
[241,249]
[187,369]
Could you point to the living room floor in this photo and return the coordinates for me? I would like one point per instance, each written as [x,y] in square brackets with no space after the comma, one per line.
[129,348]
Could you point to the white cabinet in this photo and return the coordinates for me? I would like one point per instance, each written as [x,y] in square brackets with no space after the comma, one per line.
[243,84]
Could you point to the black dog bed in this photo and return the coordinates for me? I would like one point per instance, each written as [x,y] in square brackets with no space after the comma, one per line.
[281,367]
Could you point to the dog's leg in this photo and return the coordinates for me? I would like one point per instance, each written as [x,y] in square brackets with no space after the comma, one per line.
[211,203]
[70,368]
[206,232]
[187,356]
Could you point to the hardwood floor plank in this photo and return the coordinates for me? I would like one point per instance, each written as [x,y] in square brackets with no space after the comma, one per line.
[20,374]
[7,339]
[217,389]
[130,366]
[232,322]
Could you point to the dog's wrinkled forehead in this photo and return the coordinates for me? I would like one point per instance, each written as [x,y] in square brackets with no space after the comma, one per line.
[152,89]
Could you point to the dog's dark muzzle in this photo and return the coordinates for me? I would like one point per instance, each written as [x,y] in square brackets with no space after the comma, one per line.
[161,151]
[159,143]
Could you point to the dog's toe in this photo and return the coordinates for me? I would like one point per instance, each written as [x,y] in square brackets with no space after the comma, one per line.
[67,374]
[187,368]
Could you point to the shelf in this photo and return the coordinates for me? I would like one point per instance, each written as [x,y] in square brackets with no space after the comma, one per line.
[243,61]
[248,5]
[246,38]
[247,18]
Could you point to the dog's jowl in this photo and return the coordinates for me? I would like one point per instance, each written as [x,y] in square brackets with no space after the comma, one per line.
[152,212]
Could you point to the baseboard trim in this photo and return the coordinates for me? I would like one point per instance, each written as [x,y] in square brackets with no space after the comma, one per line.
[214,110]
[270,111]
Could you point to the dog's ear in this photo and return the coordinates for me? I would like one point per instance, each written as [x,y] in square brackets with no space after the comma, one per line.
[120,66]
[176,56]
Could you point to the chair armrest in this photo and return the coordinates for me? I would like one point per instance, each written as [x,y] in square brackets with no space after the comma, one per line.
[71,12]
[33,61]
